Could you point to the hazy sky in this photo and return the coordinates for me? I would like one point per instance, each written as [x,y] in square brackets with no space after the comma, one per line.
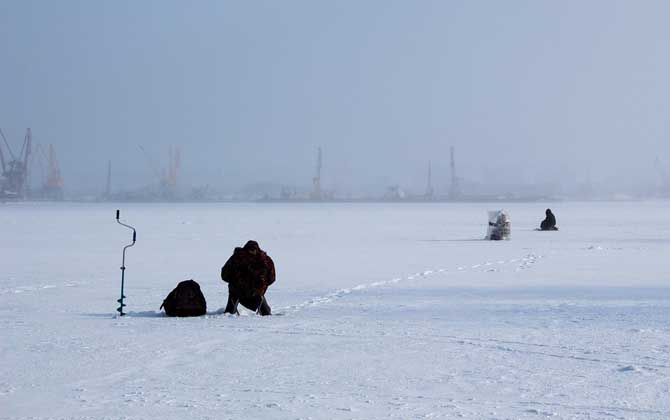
[540,91]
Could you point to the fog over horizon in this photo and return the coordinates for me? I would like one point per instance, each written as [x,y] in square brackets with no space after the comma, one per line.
[558,95]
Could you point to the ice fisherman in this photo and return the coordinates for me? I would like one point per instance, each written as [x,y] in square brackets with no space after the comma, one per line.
[549,222]
[249,272]
[500,226]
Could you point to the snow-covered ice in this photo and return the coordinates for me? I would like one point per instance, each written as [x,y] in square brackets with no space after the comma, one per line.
[384,311]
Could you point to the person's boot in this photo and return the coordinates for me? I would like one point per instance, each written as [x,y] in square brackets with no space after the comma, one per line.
[264,308]
[231,306]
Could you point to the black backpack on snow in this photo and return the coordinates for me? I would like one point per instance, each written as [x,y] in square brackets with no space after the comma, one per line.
[185,300]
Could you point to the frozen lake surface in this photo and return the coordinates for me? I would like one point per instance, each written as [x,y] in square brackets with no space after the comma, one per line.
[384,311]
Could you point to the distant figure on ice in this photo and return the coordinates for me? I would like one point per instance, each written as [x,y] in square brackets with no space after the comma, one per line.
[500,226]
[549,222]
[249,272]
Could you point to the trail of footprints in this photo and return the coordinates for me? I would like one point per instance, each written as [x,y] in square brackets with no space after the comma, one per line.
[490,266]
[528,261]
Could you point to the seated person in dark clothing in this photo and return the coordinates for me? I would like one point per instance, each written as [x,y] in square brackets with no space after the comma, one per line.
[549,222]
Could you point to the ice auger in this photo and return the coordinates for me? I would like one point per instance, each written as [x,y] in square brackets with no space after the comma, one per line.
[123,263]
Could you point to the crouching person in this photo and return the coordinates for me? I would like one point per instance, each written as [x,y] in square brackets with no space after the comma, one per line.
[249,272]
[549,222]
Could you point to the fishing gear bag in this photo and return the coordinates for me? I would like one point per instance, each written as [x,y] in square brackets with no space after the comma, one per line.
[185,300]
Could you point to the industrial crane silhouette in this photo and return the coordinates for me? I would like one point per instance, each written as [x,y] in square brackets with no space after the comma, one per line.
[14,175]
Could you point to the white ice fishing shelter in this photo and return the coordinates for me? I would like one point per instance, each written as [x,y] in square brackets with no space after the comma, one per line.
[500,226]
